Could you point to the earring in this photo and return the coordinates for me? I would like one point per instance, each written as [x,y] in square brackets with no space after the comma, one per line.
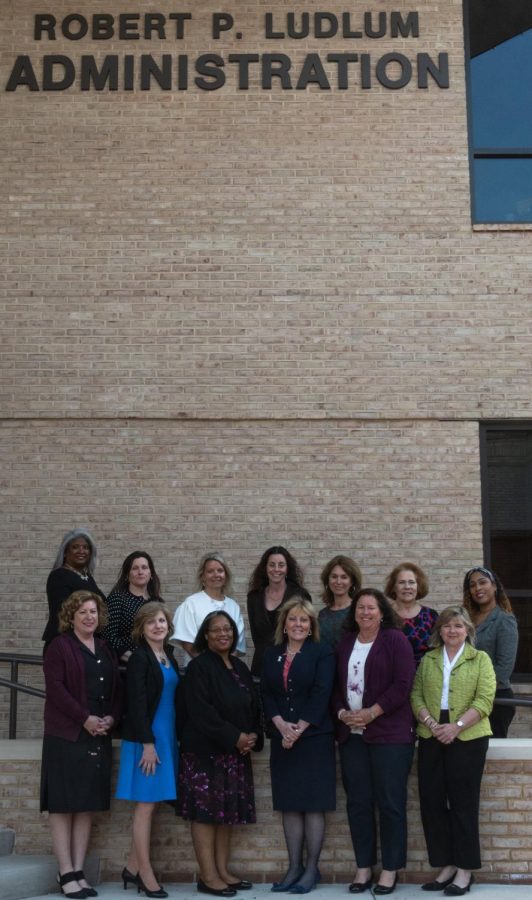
[309,634]
[285,631]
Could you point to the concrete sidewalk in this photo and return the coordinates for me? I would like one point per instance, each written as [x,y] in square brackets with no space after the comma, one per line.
[115,891]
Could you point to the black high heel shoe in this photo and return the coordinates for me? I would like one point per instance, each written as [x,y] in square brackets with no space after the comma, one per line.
[141,887]
[437,885]
[89,891]
[453,890]
[67,878]
[129,878]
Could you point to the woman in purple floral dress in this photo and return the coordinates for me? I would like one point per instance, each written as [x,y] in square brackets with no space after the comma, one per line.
[221,729]
[406,585]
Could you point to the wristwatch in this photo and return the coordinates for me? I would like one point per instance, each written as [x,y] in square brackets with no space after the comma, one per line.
[460,723]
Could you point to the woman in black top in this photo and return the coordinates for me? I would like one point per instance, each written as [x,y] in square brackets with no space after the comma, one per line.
[275,580]
[73,570]
[222,727]
[137,583]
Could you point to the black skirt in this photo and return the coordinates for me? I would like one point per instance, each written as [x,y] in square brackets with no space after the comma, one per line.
[304,777]
[76,775]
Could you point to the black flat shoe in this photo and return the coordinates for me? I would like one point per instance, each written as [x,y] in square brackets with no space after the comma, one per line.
[358,887]
[67,878]
[282,887]
[453,890]
[141,887]
[129,878]
[89,891]
[380,889]
[240,885]
[437,885]
[215,892]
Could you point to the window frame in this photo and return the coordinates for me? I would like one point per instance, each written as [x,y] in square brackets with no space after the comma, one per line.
[484,152]
[484,428]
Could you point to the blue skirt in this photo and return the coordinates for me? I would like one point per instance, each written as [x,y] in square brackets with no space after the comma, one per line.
[133,784]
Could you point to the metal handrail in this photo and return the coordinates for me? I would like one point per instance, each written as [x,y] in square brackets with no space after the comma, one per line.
[25,659]
[16,659]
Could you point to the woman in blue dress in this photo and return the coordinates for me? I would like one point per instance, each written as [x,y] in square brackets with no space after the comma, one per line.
[149,751]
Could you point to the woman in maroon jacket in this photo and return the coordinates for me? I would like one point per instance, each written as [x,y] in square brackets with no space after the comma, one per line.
[82,704]
[375,671]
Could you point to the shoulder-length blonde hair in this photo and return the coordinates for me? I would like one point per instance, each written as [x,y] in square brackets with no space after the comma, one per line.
[146,612]
[446,615]
[297,602]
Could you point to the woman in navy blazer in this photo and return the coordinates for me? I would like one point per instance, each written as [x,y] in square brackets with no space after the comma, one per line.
[375,671]
[297,680]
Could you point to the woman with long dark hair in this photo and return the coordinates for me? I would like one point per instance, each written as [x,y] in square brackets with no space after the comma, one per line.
[137,583]
[496,633]
[275,579]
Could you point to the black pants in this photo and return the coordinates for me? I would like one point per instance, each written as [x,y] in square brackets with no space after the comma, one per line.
[449,777]
[376,775]
[501,716]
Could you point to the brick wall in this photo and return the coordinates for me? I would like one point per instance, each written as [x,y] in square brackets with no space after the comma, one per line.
[259,850]
[232,318]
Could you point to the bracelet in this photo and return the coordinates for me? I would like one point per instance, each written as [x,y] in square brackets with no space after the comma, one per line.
[372,714]
[427,717]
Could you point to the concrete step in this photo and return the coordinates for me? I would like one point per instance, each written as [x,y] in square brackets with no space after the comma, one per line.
[7,840]
[33,876]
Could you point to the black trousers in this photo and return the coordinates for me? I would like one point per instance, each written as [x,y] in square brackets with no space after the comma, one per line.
[449,777]
[501,716]
[376,775]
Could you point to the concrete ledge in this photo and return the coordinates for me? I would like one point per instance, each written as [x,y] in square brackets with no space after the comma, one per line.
[31,876]
[259,851]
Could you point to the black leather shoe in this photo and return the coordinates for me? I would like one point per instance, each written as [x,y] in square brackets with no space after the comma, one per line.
[358,887]
[240,885]
[437,885]
[222,892]
[90,892]
[129,878]
[67,878]
[380,889]
[453,890]
[160,893]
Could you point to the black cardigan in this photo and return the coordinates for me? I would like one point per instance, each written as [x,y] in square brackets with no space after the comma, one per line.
[61,584]
[260,621]
[144,686]
[218,710]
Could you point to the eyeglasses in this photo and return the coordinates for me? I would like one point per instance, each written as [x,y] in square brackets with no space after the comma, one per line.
[227,630]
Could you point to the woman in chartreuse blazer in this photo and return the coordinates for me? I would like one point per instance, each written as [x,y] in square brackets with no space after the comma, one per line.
[452,698]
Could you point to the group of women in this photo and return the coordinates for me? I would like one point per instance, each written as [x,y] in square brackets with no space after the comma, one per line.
[362,672]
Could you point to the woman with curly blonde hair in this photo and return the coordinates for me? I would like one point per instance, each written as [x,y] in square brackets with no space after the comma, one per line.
[82,705]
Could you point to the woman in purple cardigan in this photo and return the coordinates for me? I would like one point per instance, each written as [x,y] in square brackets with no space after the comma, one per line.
[375,671]
[82,704]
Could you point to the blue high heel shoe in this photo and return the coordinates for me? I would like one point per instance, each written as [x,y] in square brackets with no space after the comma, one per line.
[280,887]
[300,889]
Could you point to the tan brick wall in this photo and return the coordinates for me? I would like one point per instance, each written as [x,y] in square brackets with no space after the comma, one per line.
[234,318]
[259,850]
[252,253]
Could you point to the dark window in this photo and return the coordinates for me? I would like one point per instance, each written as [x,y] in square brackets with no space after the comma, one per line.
[507,509]
[499,50]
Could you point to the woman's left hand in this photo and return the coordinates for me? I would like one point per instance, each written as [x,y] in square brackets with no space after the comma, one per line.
[246,742]
[447,733]
[360,718]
